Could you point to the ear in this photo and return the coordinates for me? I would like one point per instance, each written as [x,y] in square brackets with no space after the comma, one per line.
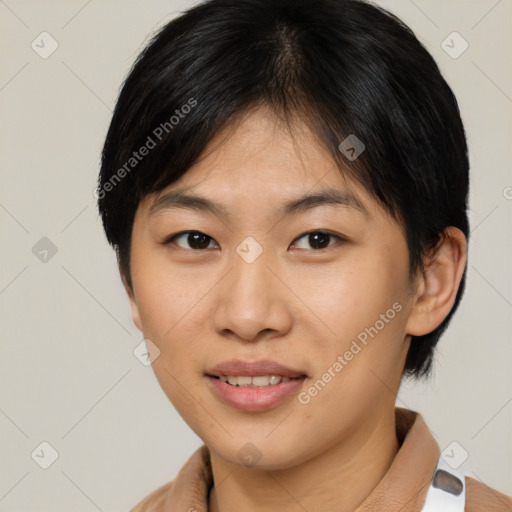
[131,297]
[436,287]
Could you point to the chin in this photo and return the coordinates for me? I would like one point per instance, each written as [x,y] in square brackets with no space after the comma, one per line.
[259,454]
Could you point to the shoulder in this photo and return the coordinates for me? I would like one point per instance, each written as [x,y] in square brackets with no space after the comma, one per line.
[482,498]
[156,501]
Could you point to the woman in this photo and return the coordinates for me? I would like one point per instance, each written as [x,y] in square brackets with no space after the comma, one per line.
[285,184]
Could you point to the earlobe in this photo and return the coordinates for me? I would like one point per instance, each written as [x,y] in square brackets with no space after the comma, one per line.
[135,312]
[133,303]
[437,286]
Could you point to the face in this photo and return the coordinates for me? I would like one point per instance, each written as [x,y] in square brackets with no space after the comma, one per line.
[271,281]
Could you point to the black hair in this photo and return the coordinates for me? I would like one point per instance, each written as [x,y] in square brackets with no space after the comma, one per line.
[344,67]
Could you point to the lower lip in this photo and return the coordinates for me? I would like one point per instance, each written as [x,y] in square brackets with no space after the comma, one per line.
[254,399]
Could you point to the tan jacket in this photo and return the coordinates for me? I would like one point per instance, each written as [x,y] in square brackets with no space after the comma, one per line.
[403,488]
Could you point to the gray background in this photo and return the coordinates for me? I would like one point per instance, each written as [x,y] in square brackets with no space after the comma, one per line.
[68,373]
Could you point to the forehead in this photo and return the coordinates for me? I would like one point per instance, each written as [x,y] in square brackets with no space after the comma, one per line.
[260,148]
[259,160]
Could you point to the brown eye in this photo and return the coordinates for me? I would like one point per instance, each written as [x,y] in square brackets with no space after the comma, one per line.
[317,240]
[194,240]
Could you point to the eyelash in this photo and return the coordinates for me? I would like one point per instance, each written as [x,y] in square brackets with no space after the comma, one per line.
[172,239]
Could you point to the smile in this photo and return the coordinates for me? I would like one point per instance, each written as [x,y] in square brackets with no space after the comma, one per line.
[259,381]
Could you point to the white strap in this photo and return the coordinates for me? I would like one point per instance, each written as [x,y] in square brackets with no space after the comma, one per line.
[447,491]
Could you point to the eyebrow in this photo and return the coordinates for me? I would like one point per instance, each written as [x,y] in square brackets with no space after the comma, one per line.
[306,202]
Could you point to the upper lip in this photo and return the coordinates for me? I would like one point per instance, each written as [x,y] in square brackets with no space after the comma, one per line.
[253,368]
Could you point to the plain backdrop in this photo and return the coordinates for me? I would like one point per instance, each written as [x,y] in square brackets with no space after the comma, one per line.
[69,377]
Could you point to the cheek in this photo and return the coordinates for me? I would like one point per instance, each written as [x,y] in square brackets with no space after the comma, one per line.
[167,295]
[363,304]
[172,314]
[170,307]
[352,295]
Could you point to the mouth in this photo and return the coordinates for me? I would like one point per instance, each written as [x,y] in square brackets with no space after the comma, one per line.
[254,385]
[258,381]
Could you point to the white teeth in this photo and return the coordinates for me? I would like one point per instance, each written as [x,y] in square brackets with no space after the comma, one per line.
[265,380]
[259,381]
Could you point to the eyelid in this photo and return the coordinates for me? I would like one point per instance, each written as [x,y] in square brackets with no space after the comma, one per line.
[171,238]
[323,232]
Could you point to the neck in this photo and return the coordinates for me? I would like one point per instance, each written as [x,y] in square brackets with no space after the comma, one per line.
[340,478]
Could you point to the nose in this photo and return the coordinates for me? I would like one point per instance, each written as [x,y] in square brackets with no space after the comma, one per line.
[252,302]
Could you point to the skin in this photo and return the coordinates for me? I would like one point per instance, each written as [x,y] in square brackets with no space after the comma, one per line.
[296,304]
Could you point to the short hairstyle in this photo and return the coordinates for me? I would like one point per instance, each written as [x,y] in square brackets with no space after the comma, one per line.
[341,66]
